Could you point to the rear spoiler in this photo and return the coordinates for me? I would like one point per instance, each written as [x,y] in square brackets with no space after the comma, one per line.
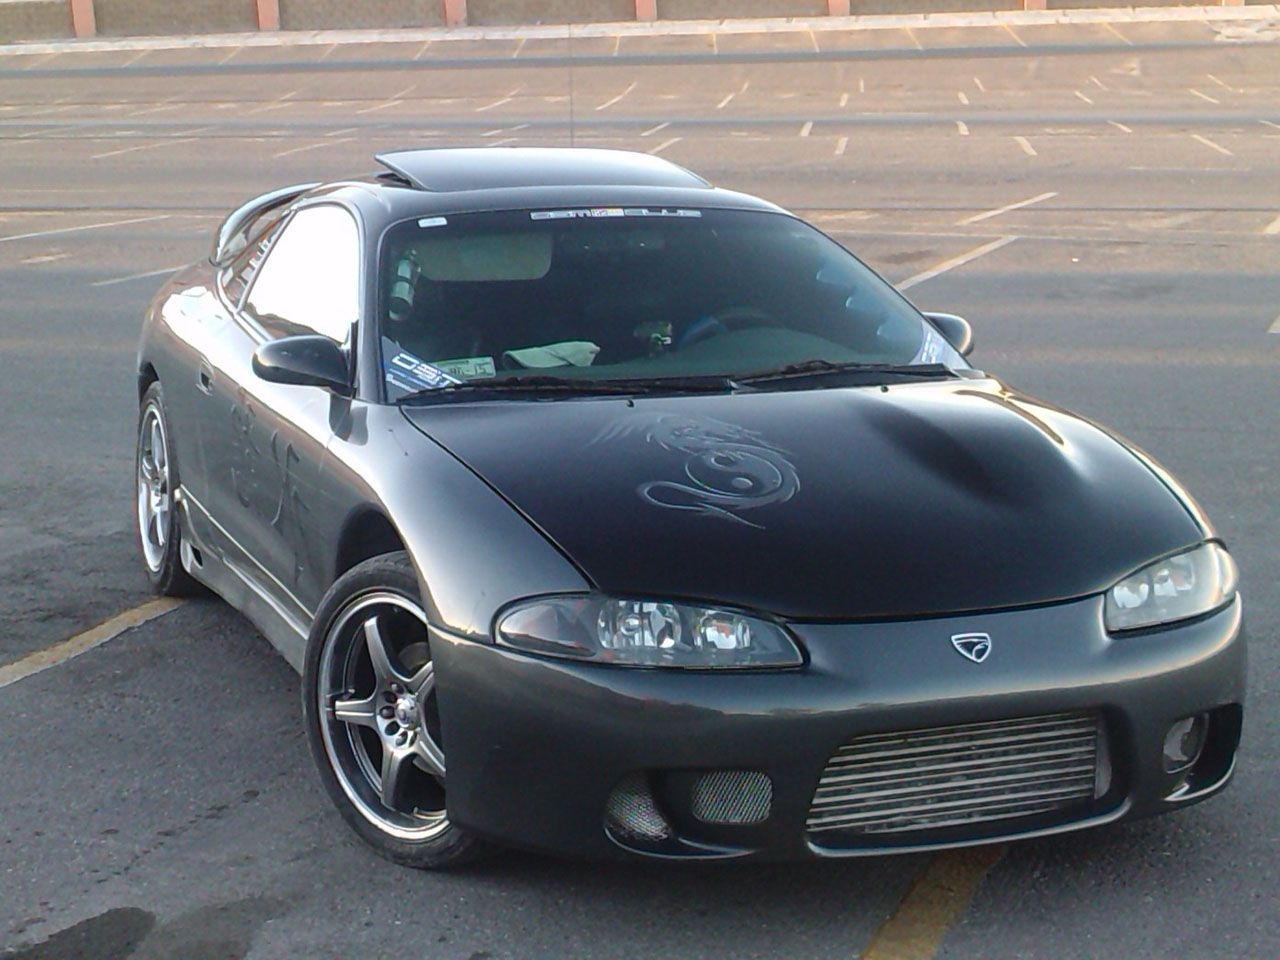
[233,235]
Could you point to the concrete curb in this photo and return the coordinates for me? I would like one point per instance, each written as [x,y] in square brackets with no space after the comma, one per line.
[668,28]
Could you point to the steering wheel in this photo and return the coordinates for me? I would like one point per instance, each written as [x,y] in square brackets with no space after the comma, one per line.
[722,322]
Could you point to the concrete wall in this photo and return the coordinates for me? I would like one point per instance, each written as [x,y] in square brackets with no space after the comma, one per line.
[495,12]
[723,9]
[128,18]
[949,6]
[355,14]
[34,20]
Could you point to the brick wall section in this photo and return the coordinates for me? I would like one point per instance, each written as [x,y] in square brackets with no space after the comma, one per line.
[131,18]
[500,12]
[34,20]
[356,14]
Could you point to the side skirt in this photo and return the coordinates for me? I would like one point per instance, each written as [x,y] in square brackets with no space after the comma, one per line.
[236,584]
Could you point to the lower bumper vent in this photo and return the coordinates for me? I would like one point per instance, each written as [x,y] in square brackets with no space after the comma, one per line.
[944,777]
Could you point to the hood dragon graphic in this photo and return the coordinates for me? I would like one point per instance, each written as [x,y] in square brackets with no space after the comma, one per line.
[728,469]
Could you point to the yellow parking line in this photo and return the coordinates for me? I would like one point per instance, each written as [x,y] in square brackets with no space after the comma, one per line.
[934,903]
[33,663]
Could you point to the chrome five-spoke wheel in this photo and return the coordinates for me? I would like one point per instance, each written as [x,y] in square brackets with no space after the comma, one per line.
[371,700]
[158,525]
[379,718]
[154,490]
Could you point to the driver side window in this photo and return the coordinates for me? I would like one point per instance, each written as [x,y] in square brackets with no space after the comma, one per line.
[310,282]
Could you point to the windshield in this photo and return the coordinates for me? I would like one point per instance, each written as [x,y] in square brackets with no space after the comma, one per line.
[632,294]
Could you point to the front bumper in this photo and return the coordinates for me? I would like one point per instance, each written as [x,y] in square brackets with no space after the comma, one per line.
[536,746]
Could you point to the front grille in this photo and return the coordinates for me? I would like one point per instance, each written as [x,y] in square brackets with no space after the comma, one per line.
[952,776]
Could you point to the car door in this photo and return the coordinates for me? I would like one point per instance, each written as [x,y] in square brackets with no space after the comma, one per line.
[265,443]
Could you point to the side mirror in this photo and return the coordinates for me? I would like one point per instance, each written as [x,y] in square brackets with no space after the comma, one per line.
[308,361]
[956,329]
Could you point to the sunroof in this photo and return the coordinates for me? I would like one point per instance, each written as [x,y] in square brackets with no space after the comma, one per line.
[452,170]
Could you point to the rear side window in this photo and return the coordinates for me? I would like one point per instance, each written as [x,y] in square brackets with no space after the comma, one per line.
[237,277]
[310,281]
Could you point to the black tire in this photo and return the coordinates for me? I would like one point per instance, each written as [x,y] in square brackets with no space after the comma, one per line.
[162,561]
[337,662]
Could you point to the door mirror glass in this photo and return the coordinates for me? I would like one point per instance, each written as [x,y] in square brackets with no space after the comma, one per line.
[308,361]
[956,329]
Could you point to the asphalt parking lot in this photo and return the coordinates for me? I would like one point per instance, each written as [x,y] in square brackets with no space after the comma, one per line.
[1101,200]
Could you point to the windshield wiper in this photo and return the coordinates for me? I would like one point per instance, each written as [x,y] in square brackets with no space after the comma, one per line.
[871,372]
[545,385]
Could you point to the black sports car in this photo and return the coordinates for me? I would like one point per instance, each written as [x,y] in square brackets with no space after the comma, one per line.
[606,511]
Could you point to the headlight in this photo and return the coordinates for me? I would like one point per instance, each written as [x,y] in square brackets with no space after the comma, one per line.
[1185,585]
[646,633]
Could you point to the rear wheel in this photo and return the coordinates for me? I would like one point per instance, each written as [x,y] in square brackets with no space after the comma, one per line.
[370,702]
[159,533]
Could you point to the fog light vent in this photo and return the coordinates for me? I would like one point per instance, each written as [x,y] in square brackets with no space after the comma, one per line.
[733,796]
[1184,742]
[632,812]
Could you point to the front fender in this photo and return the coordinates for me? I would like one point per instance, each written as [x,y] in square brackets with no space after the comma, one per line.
[473,551]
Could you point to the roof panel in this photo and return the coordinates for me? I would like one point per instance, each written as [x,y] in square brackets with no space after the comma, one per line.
[451,170]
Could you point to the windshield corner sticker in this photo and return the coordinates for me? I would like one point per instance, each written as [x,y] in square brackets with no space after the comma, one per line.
[592,213]
[728,469]
[407,372]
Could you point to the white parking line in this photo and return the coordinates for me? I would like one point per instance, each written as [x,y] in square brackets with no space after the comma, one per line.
[143,146]
[1275,326]
[1026,146]
[844,99]
[658,129]
[807,128]
[1120,126]
[311,146]
[954,262]
[609,103]
[964,97]
[498,103]
[1082,96]
[87,226]
[1272,229]
[962,128]
[979,217]
[137,276]
[1202,96]
[667,143]
[1098,83]
[1214,146]
[1269,123]
[34,663]
[726,101]
[978,83]
[841,145]
[1225,86]
[1009,29]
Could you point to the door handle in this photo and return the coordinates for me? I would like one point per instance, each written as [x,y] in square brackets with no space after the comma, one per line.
[204,380]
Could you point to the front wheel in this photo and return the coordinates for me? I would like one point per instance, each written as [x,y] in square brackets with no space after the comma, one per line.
[370,704]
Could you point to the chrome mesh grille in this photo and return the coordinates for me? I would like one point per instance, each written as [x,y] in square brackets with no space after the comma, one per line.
[732,796]
[950,776]
[632,812]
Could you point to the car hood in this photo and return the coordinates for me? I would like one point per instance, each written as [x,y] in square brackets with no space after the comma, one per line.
[827,504]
